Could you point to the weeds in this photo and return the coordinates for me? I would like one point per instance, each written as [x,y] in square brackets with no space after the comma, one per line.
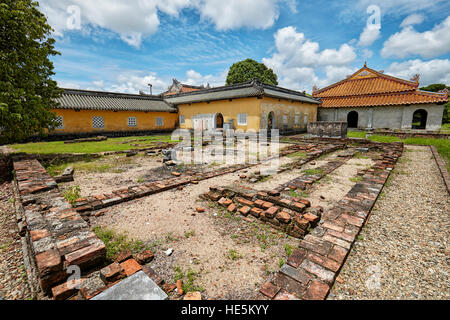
[72,194]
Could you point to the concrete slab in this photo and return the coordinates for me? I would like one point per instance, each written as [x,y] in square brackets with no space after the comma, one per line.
[136,287]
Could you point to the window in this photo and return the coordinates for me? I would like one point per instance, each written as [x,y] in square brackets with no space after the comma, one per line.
[98,122]
[297,119]
[159,121]
[132,122]
[242,119]
[285,119]
[59,122]
[182,119]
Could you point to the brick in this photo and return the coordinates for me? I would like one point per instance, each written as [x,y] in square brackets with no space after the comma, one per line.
[298,206]
[271,212]
[130,267]
[322,273]
[311,218]
[307,203]
[65,290]
[168,287]
[338,254]
[39,234]
[296,257]
[245,202]
[259,203]
[112,273]
[296,274]
[334,225]
[324,262]
[316,244]
[301,223]
[353,220]
[269,290]
[48,262]
[225,202]
[266,205]
[284,295]
[88,256]
[231,208]
[123,255]
[153,275]
[196,295]
[244,210]
[91,287]
[337,241]
[341,235]
[200,210]
[214,196]
[273,193]
[290,285]
[144,257]
[283,216]
[317,291]
[256,212]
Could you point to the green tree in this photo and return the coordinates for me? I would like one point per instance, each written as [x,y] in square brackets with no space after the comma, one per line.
[249,69]
[27,92]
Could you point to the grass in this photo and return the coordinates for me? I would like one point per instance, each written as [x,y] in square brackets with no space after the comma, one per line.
[442,145]
[116,243]
[234,255]
[188,280]
[289,249]
[72,194]
[189,234]
[112,144]
[296,194]
[300,154]
[311,172]
[356,179]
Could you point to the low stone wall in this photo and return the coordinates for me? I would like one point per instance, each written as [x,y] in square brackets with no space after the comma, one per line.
[405,135]
[312,268]
[327,129]
[56,234]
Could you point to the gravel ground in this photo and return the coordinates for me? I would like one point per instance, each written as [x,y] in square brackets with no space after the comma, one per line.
[13,279]
[403,252]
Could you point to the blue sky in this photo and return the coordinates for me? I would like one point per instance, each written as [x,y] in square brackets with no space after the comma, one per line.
[121,46]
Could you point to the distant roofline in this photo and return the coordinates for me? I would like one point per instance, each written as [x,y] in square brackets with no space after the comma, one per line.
[114,94]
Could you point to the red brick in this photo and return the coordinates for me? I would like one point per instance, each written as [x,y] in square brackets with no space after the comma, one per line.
[225,202]
[341,235]
[283,217]
[307,203]
[48,262]
[271,212]
[301,223]
[316,291]
[153,275]
[200,210]
[270,290]
[231,207]
[284,295]
[123,255]
[353,220]
[39,234]
[311,217]
[245,202]
[296,257]
[144,257]
[338,254]
[168,287]
[256,212]
[112,273]
[333,225]
[266,205]
[259,203]
[298,206]
[65,290]
[86,256]
[244,210]
[131,266]
[324,262]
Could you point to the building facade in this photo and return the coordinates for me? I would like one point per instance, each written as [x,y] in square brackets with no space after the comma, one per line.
[247,106]
[90,112]
[371,99]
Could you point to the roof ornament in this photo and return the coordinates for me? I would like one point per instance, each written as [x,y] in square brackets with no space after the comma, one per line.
[415,78]
[315,88]
[365,64]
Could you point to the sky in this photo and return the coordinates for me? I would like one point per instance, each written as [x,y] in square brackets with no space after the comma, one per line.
[123,45]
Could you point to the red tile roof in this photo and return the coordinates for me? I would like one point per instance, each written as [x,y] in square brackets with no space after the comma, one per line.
[368,87]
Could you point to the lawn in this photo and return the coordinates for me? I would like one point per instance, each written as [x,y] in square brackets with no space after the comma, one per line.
[112,144]
[442,145]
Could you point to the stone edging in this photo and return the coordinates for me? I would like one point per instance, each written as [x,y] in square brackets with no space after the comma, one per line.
[442,168]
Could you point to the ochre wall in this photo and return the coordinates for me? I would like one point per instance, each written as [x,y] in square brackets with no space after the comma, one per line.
[282,107]
[228,109]
[81,121]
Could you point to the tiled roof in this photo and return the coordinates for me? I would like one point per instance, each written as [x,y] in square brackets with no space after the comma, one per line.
[96,100]
[243,90]
[368,87]
[184,89]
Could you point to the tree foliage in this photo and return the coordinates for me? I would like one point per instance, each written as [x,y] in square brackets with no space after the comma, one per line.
[249,69]
[27,92]
[435,87]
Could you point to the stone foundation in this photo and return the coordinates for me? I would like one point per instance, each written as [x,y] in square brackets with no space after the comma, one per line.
[327,129]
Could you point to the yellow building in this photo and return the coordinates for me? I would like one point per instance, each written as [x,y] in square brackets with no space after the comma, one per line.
[90,112]
[247,106]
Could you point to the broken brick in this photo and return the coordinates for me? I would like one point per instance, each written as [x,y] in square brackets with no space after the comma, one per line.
[283,217]
[144,257]
[112,273]
[244,210]
[317,291]
[269,289]
[131,266]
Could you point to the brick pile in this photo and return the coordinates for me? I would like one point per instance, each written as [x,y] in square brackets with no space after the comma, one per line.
[56,234]
[312,268]
[288,214]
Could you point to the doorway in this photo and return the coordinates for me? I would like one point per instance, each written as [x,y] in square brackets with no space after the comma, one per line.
[352,119]
[419,120]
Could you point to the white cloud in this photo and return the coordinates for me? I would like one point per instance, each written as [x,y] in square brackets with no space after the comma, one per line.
[134,20]
[433,71]
[234,14]
[412,19]
[195,78]
[132,82]
[427,44]
[297,59]
[369,35]
[396,7]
